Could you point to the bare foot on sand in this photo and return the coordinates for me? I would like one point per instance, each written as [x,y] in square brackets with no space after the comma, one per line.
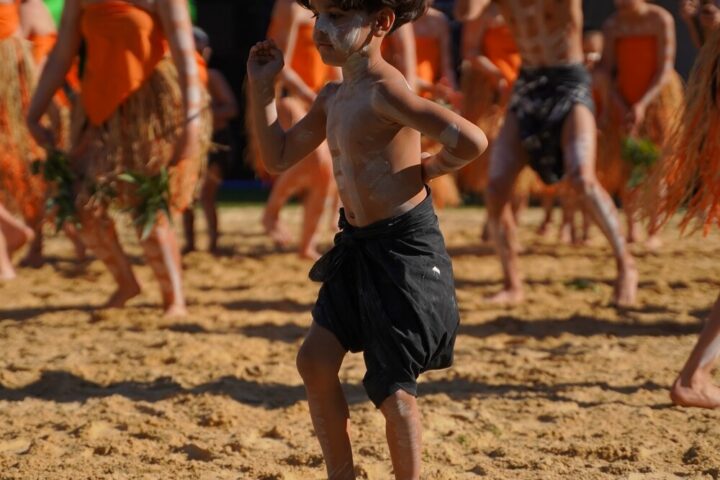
[175,310]
[277,232]
[698,391]
[309,254]
[508,296]
[653,243]
[626,286]
[122,295]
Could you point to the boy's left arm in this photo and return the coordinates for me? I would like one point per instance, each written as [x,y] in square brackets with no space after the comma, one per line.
[462,141]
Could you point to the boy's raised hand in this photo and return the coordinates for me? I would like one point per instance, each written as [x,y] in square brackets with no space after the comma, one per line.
[265,62]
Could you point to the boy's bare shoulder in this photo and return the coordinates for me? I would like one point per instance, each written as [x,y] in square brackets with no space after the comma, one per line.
[390,94]
[327,93]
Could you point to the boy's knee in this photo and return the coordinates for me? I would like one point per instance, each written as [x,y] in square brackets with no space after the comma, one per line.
[311,366]
[399,406]
[582,184]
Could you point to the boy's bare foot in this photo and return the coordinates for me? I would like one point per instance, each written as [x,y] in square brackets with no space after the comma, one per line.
[122,295]
[33,259]
[508,296]
[175,311]
[543,229]
[698,391]
[627,283]
[566,234]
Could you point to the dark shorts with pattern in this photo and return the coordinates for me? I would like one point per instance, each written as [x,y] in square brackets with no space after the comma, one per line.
[388,291]
[542,98]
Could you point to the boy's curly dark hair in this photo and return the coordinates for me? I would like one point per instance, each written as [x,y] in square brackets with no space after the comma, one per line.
[405,10]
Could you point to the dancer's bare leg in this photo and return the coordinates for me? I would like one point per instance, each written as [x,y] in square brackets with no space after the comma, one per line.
[7,271]
[163,256]
[284,187]
[208,200]
[314,205]
[579,142]
[188,220]
[567,233]
[694,386]
[34,257]
[632,226]
[99,235]
[506,162]
[548,203]
[403,430]
[15,231]
[72,233]
[318,362]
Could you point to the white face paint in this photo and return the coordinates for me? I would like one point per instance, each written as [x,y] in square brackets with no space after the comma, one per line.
[343,34]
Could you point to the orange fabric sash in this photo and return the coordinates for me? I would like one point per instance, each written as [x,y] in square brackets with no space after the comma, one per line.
[499,46]
[428,58]
[637,64]
[42,45]
[9,19]
[124,45]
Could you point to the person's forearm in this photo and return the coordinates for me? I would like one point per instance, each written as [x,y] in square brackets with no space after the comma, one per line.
[271,137]
[655,87]
[51,80]
[461,145]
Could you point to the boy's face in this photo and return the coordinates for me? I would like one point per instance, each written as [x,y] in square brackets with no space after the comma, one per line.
[339,33]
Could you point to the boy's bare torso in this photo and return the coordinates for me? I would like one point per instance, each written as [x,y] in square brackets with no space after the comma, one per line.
[376,162]
[547,32]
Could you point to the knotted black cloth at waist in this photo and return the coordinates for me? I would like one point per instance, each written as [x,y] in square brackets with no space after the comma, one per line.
[388,290]
[542,98]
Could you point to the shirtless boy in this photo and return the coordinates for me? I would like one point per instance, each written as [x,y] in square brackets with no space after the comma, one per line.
[387,288]
[550,125]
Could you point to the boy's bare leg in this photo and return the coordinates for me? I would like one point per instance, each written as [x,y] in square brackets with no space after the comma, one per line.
[99,235]
[15,231]
[694,387]
[163,256]
[505,164]
[188,219]
[34,257]
[579,141]
[404,432]
[318,362]
[208,200]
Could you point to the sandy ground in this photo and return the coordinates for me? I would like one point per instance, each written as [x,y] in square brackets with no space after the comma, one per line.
[562,387]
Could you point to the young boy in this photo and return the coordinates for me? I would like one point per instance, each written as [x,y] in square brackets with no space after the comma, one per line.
[388,286]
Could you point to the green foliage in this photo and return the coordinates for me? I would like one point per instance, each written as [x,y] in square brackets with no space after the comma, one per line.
[641,154]
[57,172]
[153,197]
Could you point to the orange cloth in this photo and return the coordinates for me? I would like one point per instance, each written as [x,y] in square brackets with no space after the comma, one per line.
[124,45]
[9,19]
[202,68]
[429,66]
[637,64]
[307,61]
[498,44]
[42,45]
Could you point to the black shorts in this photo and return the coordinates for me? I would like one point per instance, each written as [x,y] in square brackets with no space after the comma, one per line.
[388,291]
[542,98]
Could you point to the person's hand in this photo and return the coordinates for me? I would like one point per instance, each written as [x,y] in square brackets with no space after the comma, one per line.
[689,9]
[188,143]
[635,118]
[264,63]
[42,136]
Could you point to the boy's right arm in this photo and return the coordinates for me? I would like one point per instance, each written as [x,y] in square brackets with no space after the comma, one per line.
[279,150]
